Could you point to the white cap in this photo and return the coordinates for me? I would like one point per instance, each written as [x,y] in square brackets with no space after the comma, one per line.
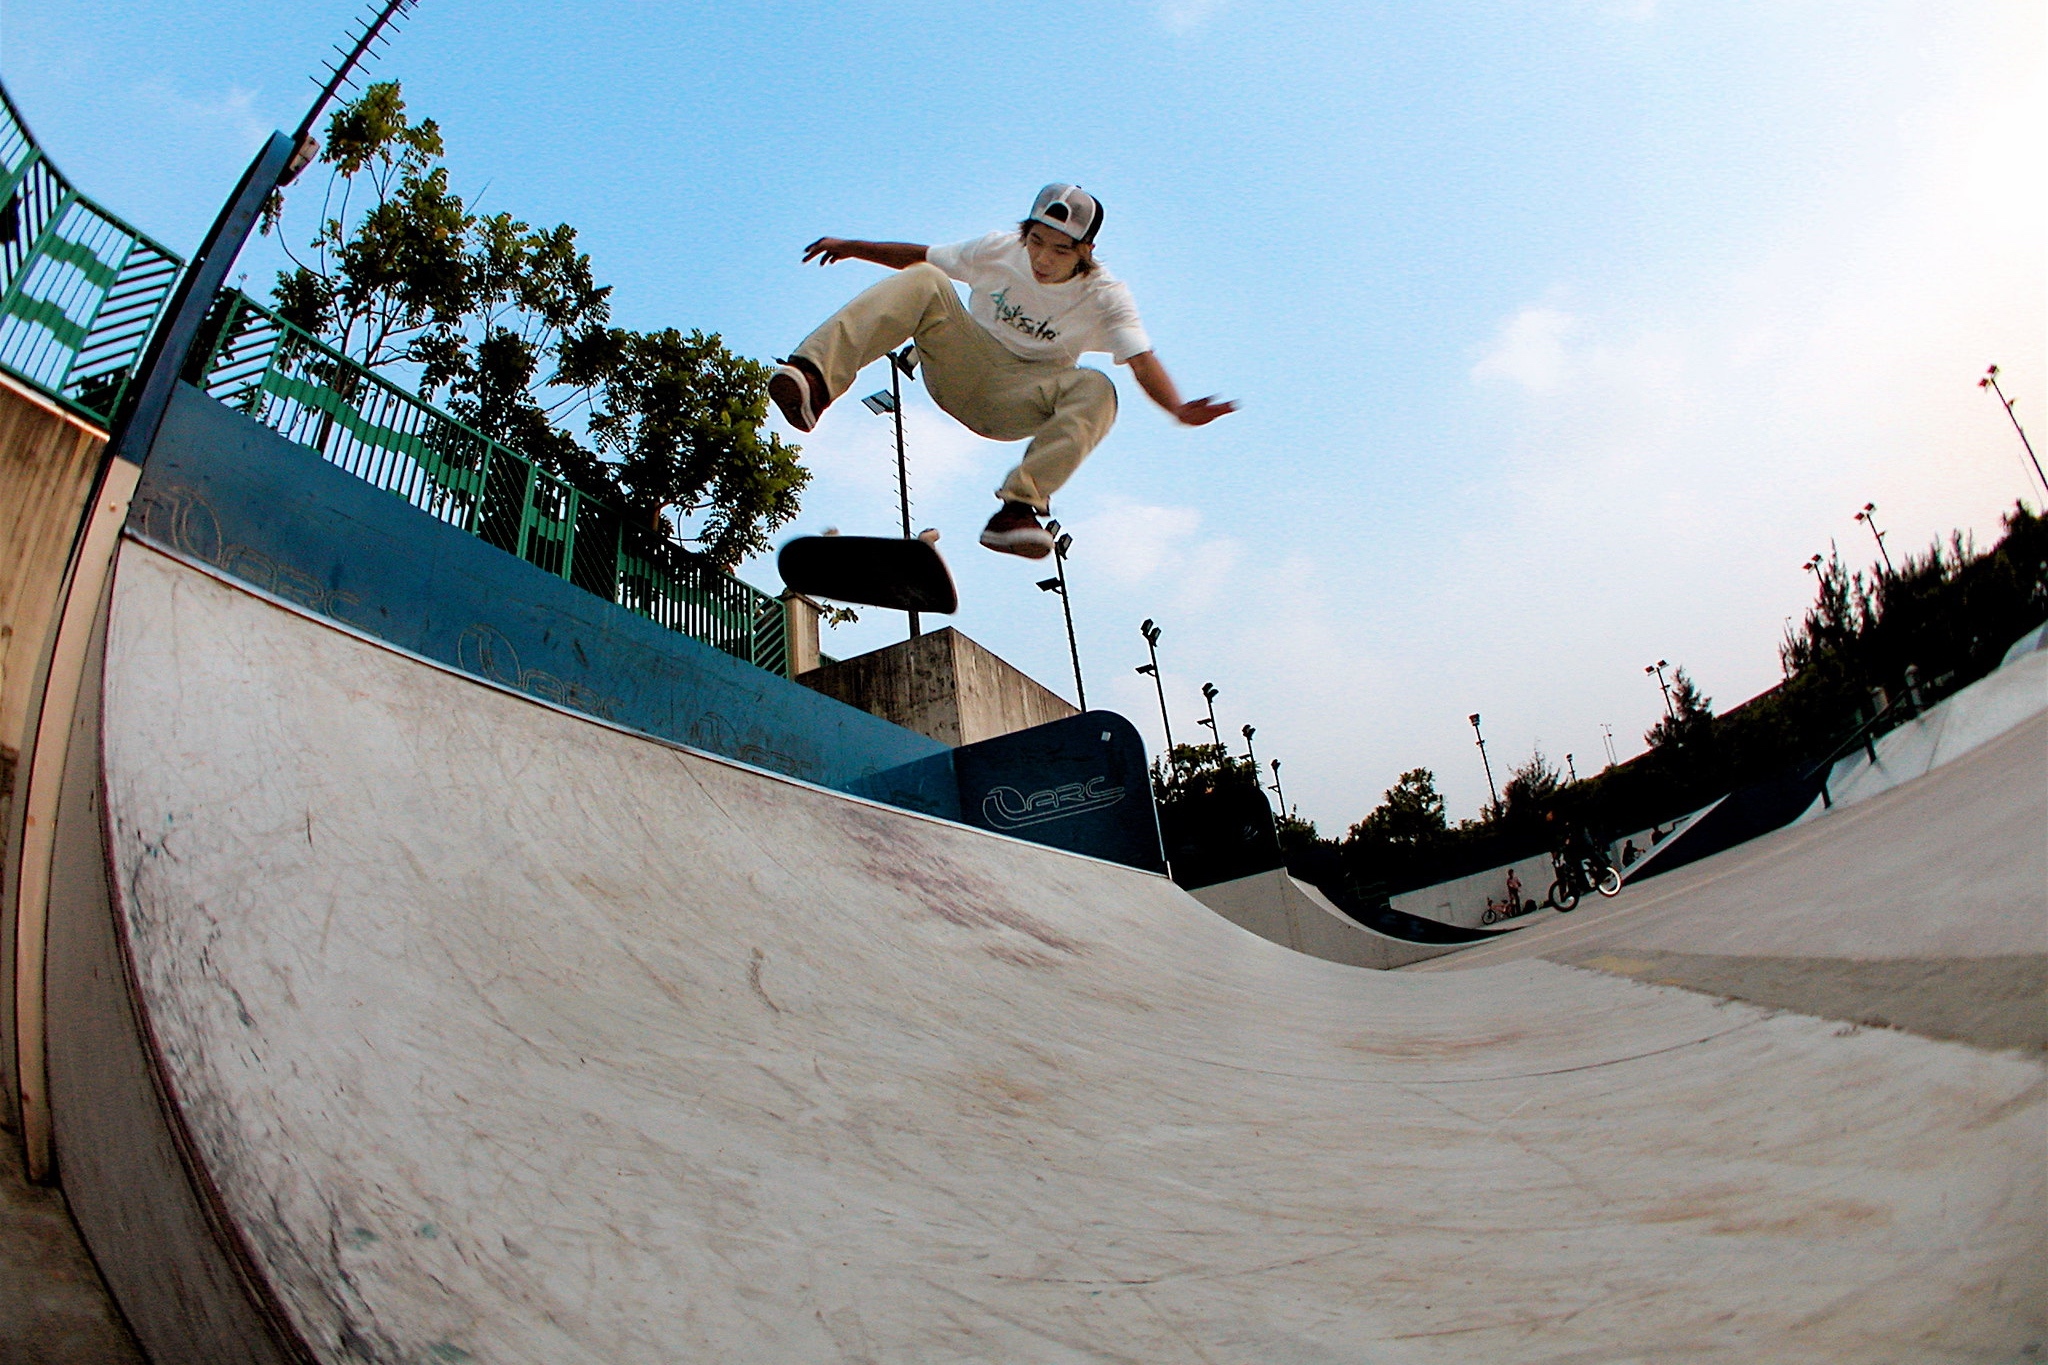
[1070,209]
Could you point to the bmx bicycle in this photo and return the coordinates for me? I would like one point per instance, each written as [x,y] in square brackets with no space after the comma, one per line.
[1578,876]
[1494,914]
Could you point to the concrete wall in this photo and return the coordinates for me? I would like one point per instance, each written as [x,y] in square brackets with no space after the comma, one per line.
[1462,900]
[47,461]
[800,627]
[942,685]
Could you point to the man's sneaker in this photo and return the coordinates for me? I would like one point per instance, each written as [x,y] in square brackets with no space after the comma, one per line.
[799,390]
[1015,531]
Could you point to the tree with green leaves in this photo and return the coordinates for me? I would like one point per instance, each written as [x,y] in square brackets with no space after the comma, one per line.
[1410,816]
[1213,814]
[507,323]
[1691,718]
[1531,790]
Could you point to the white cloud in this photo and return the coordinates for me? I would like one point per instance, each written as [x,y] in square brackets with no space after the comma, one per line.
[1529,349]
[1185,16]
[1134,544]
[1631,11]
[236,113]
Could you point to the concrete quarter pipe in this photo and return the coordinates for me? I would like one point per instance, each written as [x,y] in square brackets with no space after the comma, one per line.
[462,1028]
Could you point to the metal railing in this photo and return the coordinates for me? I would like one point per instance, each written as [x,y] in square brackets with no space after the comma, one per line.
[79,289]
[259,363]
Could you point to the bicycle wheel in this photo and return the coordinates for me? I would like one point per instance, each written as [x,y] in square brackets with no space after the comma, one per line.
[1610,883]
[1489,916]
[1562,898]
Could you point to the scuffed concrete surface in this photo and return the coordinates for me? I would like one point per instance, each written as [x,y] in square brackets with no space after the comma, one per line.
[53,1308]
[1994,1002]
[506,1036]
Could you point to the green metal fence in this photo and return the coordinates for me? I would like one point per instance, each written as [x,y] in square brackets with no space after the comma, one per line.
[311,394]
[79,289]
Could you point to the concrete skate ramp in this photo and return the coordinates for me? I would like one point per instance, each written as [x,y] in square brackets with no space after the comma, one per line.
[487,1032]
[1924,907]
[1289,911]
[2008,696]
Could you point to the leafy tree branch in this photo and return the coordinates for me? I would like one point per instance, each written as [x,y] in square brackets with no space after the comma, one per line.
[506,323]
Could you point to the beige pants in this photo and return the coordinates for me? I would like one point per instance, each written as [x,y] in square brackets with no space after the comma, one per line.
[1064,410]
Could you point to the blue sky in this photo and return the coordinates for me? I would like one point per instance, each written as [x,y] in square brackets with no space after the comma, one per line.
[1565,330]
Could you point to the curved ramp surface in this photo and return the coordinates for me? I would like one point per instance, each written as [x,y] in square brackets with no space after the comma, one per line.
[2009,696]
[497,1034]
[1288,911]
[1924,907]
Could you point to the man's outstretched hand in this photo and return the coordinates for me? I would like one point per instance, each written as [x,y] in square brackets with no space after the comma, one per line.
[895,255]
[1201,411]
[1159,387]
[828,251]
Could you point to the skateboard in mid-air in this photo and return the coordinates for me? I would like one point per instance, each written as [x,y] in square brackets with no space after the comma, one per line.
[901,574]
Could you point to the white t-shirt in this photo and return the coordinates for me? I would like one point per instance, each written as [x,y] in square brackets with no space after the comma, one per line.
[1092,312]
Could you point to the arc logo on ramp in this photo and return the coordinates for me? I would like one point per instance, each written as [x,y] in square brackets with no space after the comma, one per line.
[1008,808]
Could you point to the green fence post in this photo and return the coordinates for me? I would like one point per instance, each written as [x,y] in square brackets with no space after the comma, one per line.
[526,517]
[483,482]
[568,570]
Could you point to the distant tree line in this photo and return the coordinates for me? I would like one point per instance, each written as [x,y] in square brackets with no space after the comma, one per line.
[1869,642]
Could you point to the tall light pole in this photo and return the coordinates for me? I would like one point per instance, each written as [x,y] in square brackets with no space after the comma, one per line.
[1867,517]
[889,403]
[1990,381]
[1279,790]
[1607,734]
[1209,695]
[1571,768]
[1490,789]
[1061,544]
[1658,668]
[1253,755]
[1151,633]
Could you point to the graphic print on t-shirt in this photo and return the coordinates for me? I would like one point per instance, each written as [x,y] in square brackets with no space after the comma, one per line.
[1054,322]
[1013,315]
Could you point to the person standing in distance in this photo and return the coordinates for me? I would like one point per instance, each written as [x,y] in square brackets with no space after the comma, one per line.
[1005,365]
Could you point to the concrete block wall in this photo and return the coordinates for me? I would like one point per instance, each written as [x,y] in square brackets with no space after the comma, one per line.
[942,685]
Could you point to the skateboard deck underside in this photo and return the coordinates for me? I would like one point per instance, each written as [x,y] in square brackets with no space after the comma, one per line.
[873,571]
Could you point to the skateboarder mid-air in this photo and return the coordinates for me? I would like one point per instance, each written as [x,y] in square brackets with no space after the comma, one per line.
[1005,363]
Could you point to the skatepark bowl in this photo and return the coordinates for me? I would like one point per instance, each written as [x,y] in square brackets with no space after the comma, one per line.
[396,1016]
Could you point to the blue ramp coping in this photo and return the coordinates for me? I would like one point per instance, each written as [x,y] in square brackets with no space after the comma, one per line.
[222,488]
